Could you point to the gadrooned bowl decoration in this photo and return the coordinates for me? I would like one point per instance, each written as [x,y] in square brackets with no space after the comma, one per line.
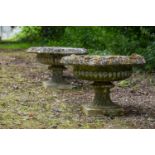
[51,56]
[103,70]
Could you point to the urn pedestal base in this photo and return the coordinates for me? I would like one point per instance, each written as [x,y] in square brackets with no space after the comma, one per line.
[102,104]
[99,111]
[57,79]
[56,85]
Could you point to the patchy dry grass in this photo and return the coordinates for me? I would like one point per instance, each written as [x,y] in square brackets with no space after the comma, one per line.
[24,103]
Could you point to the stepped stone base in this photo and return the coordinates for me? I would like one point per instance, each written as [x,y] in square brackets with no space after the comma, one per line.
[55,85]
[91,110]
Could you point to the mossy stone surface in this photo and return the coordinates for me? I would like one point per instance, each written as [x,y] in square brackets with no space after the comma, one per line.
[58,50]
[51,56]
[99,111]
[103,70]
[96,60]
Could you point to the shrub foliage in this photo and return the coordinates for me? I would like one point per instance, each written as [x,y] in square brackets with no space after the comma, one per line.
[99,40]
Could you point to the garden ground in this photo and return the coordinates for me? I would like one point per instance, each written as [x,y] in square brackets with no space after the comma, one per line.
[24,103]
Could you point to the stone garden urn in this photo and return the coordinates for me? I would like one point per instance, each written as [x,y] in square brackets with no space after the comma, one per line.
[51,56]
[103,70]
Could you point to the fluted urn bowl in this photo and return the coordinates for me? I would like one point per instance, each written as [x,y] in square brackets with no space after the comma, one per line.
[103,70]
[51,56]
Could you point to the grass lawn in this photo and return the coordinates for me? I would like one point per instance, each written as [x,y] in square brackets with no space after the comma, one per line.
[24,103]
[15,45]
[8,45]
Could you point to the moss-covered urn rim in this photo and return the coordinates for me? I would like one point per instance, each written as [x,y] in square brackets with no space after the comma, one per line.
[57,50]
[96,60]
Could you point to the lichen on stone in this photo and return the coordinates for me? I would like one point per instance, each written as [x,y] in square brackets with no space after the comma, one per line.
[57,50]
[96,60]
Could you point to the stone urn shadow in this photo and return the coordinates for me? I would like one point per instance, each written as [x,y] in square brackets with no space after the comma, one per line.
[103,70]
[51,56]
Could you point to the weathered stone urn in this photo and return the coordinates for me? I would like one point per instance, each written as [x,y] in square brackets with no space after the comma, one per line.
[103,70]
[51,56]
